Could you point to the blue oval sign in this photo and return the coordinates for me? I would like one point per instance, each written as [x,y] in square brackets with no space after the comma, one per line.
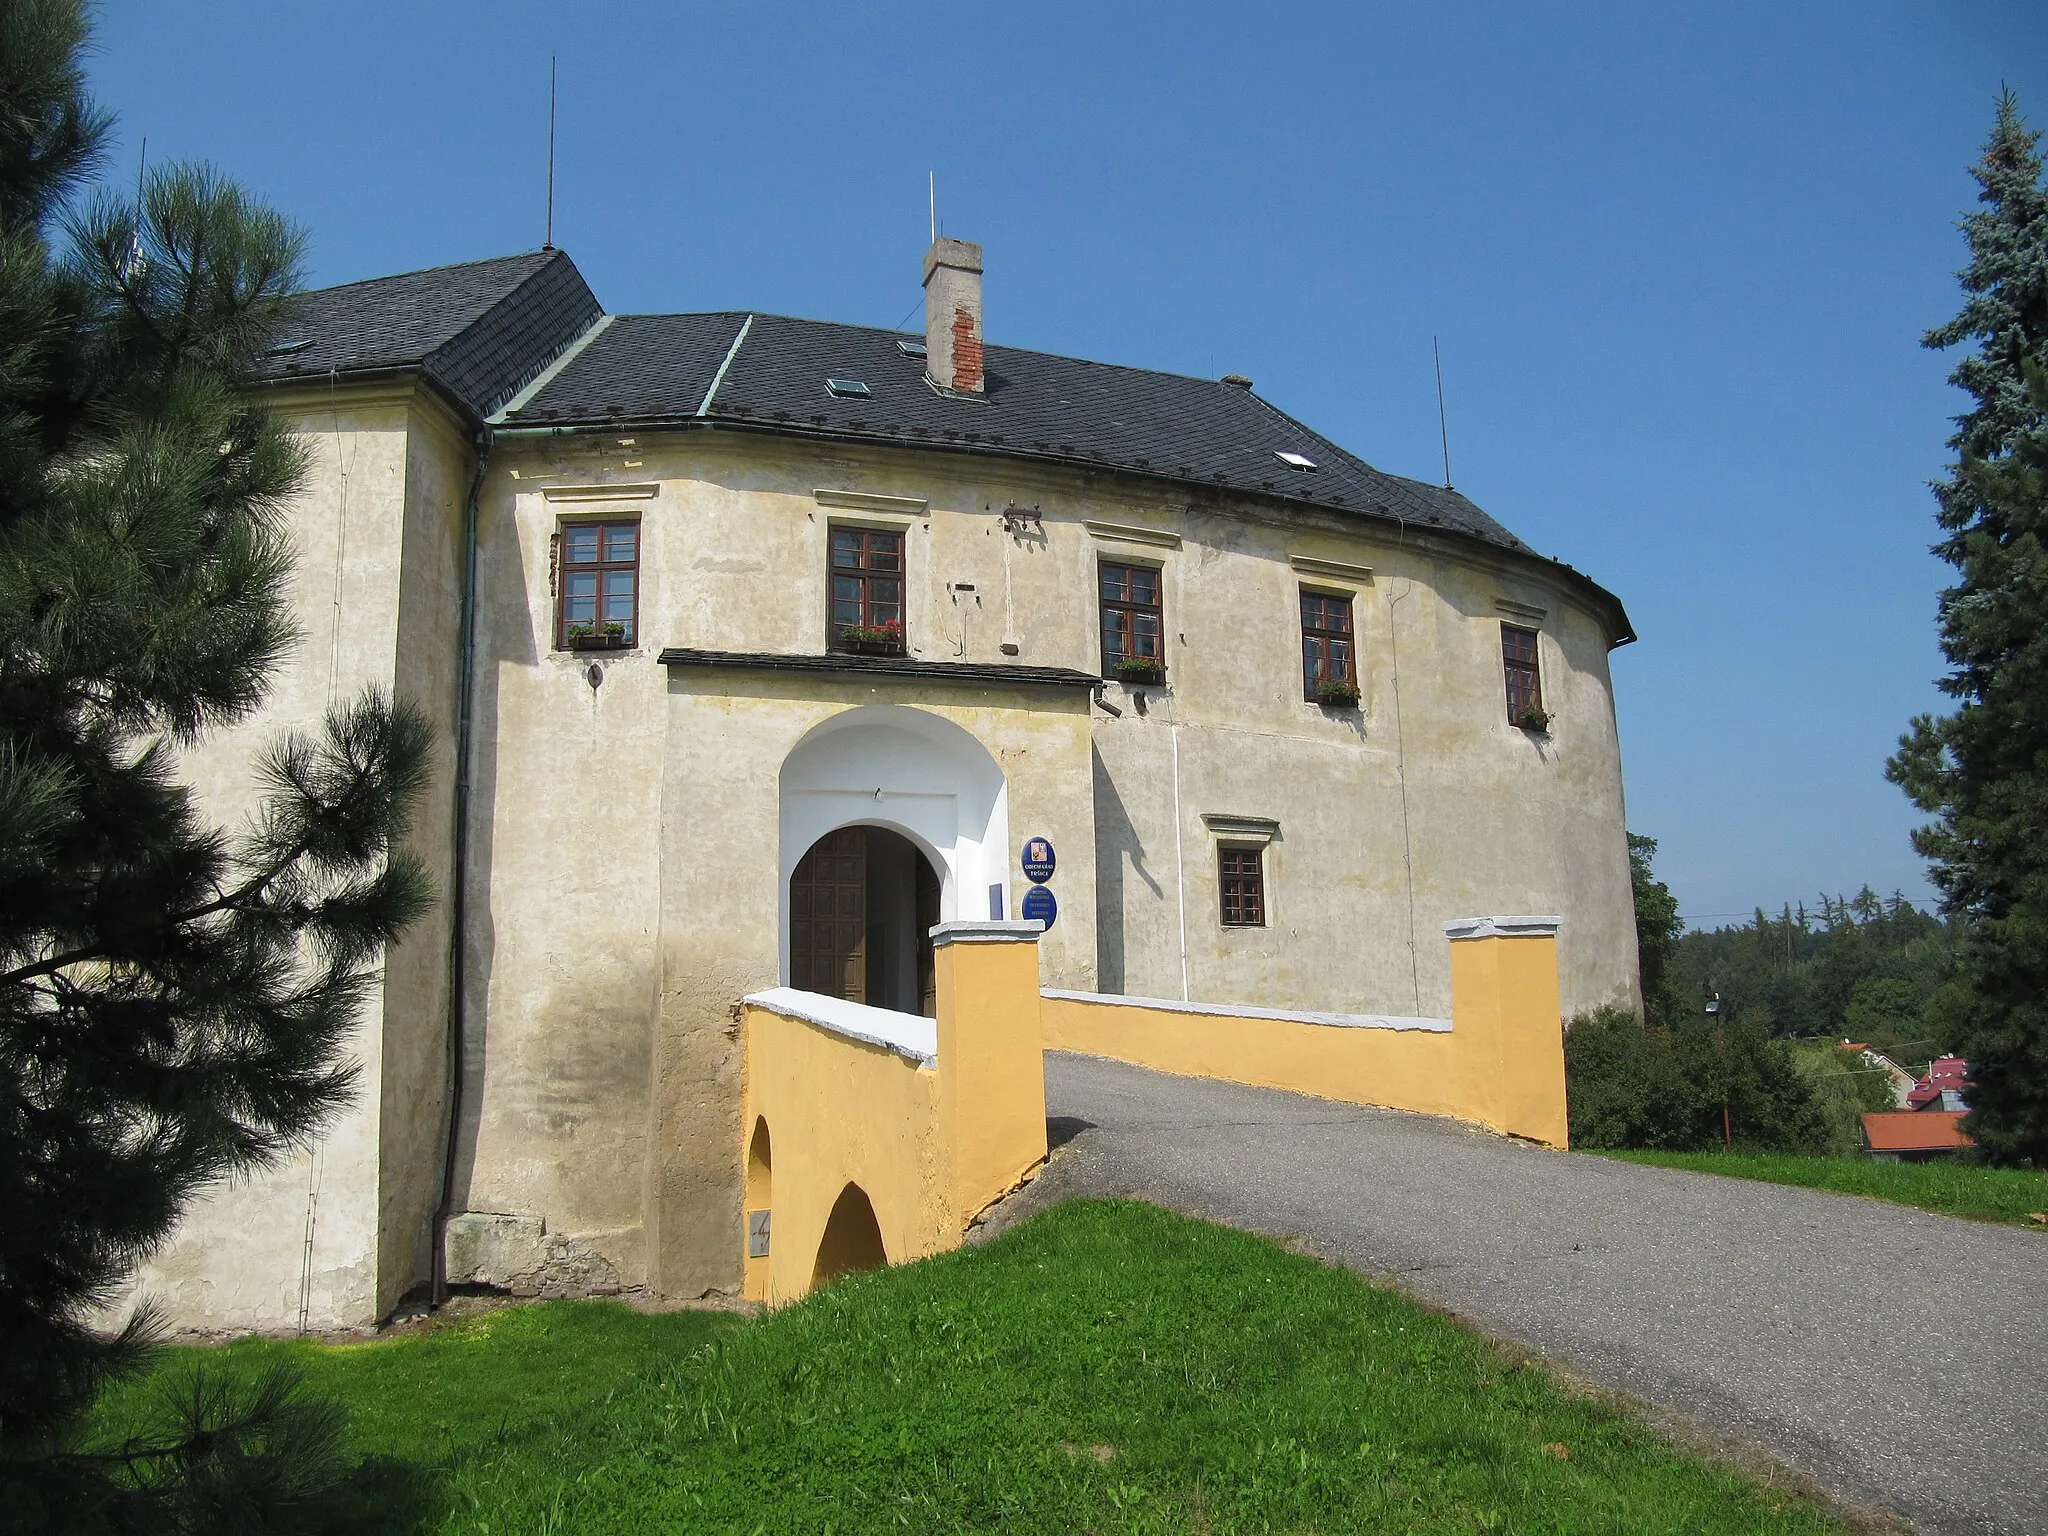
[1040,907]
[1039,860]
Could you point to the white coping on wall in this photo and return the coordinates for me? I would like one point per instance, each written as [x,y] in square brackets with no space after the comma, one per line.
[1283,1015]
[986,932]
[904,1033]
[1501,927]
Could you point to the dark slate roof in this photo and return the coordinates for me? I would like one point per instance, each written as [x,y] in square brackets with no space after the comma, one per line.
[654,368]
[480,330]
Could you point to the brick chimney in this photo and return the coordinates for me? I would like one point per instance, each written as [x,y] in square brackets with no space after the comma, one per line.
[952,315]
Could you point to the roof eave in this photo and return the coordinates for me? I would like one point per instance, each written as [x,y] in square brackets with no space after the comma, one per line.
[378,374]
[1620,631]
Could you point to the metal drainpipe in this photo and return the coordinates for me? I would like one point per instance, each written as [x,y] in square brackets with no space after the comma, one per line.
[465,724]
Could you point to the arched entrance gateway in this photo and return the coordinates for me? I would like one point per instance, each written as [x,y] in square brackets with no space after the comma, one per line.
[892,820]
[861,907]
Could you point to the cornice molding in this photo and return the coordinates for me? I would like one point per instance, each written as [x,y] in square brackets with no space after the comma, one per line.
[643,491]
[1259,830]
[1125,533]
[1332,570]
[871,501]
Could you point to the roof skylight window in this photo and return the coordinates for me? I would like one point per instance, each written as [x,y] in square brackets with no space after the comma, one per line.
[848,387]
[286,348]
[911,348]
[1300,461]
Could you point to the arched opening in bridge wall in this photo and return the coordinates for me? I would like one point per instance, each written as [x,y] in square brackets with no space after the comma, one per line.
[862,902]
[852,1241]
[760,1211]
[892,820]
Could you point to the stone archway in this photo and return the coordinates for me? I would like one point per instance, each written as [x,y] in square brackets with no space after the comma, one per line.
[862,903]
[760,1197]
[925,812]
[852,1240]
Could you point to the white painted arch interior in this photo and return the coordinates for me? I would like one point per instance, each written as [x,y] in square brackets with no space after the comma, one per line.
[887,765]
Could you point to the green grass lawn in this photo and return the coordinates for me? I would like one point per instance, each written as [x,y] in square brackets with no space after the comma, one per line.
[1953,1189]
[1105,1367]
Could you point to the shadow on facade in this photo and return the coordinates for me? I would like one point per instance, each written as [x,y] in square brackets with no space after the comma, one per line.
[1116,840]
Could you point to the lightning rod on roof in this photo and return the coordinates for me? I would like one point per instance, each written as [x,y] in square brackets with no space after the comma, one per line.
[1442,421]
[548,244]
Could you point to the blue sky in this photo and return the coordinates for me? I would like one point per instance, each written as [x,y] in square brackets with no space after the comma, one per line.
[1679,259]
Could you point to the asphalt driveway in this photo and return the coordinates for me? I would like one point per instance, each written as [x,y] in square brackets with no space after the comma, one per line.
[1900,1359]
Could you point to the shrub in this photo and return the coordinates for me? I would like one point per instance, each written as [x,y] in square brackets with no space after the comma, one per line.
[1631,1086]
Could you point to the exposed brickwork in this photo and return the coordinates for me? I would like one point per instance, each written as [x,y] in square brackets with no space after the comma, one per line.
[966,352]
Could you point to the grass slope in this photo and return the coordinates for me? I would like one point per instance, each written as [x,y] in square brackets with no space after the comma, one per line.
[1106,1367]
[1952,1189]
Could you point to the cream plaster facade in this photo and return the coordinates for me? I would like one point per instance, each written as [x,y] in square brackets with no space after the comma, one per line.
[633,823]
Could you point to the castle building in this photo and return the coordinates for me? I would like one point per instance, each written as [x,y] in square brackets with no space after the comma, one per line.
[757,646]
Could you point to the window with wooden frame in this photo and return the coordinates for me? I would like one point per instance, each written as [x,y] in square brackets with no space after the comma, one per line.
[1242,876]
[1524,680]
[1329,670]
[867,590]
[598,585]
[1133,626]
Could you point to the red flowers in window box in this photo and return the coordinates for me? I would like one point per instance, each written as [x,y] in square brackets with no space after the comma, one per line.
[1532,718]
[872,639]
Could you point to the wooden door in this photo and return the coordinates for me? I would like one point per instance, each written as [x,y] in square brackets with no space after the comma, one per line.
[828,922]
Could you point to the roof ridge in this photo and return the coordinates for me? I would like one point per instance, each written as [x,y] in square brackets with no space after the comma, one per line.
[446,266]
[898,334]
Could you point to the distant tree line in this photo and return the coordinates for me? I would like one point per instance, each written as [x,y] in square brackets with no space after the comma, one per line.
[1763,1065]
[1862,968]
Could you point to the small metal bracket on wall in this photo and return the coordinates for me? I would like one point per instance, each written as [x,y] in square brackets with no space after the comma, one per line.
[1016,519]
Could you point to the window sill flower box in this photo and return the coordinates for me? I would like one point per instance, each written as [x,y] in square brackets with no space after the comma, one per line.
[1534,720]
[1140,671]
[596,637]
[1336,693]
[875,640]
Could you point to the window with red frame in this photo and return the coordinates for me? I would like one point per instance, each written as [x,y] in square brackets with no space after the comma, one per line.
[867,589]
[1132,625]
[1326,645]
[599,584]
[1525,682]
[1243,877]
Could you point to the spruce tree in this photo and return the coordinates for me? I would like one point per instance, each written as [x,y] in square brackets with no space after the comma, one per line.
[1657,925]
[1982,771]
[176,995]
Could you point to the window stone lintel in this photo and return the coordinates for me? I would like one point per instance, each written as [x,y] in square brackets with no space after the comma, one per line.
[1340,572]
[1241,831]
[1125,533]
